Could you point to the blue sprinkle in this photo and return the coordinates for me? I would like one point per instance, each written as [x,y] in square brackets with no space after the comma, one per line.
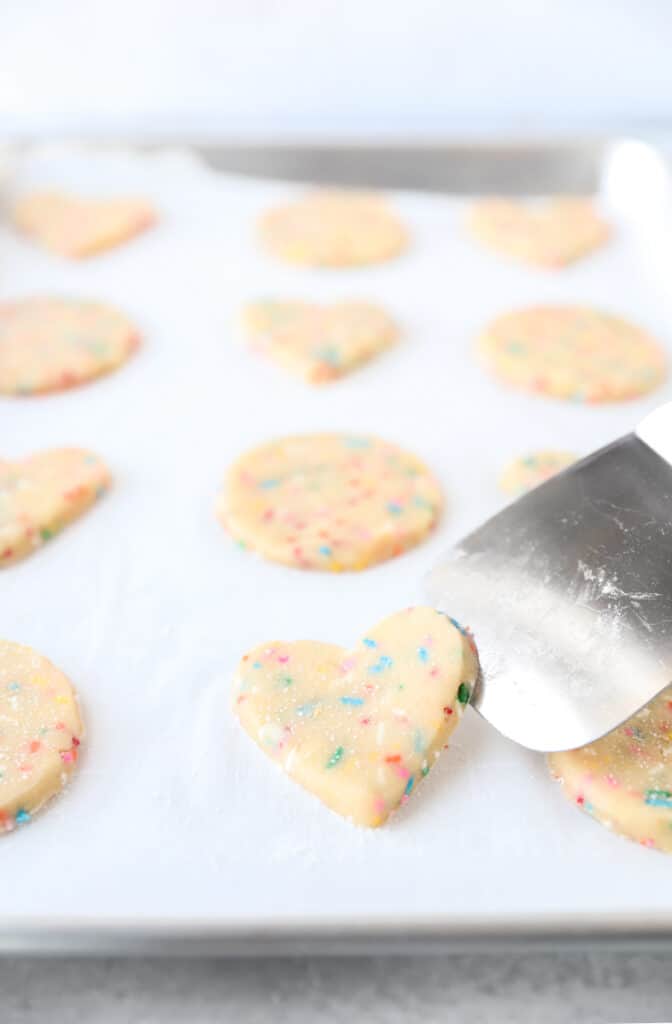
[384,661]
[409,786]
[394,508]
[22,816]
[658,798]
[419,744]
[355,702]
[368,642]
[13,686]
[423,653]
[307,710]
[458,627]
[256,664]
[329,356]
[325,550]
[266,485]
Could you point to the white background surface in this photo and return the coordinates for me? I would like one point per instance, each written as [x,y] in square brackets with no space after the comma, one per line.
[147,606]
[319,68]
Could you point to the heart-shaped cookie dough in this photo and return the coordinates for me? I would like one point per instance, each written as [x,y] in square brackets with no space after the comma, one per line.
[548,234]
[318,342]
[79,227]
[360,728]
[42,494]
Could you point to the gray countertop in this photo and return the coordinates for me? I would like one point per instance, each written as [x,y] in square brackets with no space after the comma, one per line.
[576,988]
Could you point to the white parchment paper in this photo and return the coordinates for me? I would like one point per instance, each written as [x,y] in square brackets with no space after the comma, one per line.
[147,605]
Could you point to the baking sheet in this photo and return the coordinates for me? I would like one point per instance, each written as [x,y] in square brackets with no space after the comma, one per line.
[176,823]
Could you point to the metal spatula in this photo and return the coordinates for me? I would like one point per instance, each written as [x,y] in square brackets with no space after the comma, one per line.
[569,594]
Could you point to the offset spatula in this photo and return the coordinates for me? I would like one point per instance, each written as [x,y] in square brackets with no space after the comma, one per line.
[568,592]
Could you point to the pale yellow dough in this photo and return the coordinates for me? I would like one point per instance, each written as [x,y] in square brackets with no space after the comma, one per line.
[528,471]
[49,344]
[318,342]
[41,494]
[361,728]
[329,501]
[625,779]
[77,227]
[334,229]
[549,233]
[40,733]
[573,353]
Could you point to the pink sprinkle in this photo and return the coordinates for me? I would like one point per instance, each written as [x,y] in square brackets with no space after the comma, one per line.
[347,664]
[283,658]
[66,755]
[612,780]
[379,805]
[402,772]
[435,671]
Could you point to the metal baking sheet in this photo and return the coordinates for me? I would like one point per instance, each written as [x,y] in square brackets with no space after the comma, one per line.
[178,834]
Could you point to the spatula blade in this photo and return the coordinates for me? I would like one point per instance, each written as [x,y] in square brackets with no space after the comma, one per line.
[568,592]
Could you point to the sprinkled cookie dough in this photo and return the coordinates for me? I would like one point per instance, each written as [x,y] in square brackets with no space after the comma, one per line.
[334,229]
[552,233]
[329,501]
[42,494]
[40,733]
[76,227]
[361,728]
[318,342]
[573,353]
[51,344]
[523,474]
[624,780]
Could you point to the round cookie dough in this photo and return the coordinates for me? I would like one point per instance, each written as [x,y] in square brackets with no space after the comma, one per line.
[573,353]
[550,233]
[334,229]
[361,728]
[329,501]
[624,780]
[40,733]
[40,495]
[528,471]
[318,342]
[77,227]
[49,344]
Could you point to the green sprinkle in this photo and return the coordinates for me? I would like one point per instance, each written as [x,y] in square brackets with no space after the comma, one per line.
[658,798]
[463,693]
[46,534]
[336,757]
[424,770]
